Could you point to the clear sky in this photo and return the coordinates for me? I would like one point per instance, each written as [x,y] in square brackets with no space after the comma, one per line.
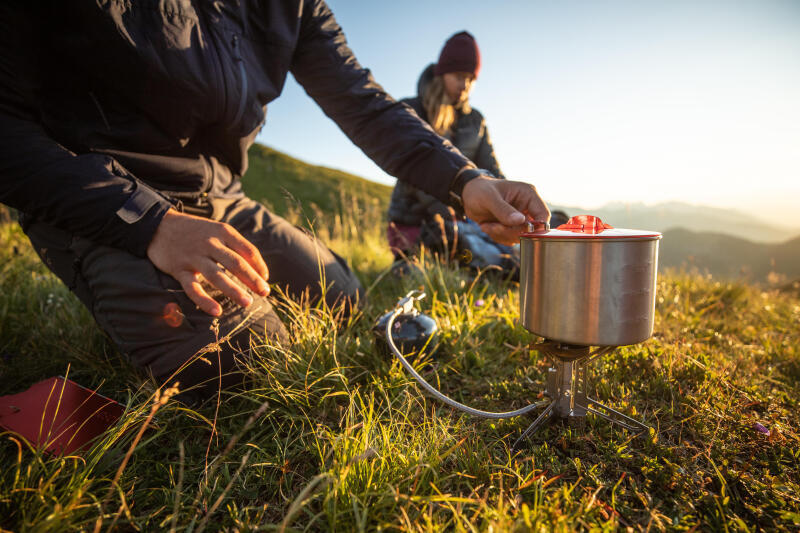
[596,101]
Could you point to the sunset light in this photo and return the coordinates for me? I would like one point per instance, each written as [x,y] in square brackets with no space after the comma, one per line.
[598,102]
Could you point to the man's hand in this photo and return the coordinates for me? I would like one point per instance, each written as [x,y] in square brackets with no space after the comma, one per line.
[502,207]
[191,249]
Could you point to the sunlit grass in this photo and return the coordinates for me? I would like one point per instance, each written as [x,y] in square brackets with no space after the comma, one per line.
[331,434]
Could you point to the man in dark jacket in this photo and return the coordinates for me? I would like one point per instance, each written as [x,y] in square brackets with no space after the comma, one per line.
[124,130]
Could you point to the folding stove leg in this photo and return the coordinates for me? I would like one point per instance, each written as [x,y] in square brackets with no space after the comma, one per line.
[603,411]
[615,416]
[543,417]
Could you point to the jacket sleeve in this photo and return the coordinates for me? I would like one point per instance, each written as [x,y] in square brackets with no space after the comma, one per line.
[90,195]
[485,157]
[388,132]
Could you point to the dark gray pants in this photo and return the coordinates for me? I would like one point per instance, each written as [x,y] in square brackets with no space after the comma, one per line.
[151,320]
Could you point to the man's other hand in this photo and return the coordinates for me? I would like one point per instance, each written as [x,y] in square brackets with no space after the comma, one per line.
[192,249]
[503,207]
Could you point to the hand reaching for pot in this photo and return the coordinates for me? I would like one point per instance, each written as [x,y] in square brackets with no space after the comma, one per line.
[503,207]
[192,249]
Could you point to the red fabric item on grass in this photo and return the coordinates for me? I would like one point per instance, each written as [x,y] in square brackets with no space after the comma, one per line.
[59,415]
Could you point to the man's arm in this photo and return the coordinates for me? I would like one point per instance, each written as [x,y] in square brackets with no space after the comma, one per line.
[93,196]
[388,132]
[393,136]
[81,194]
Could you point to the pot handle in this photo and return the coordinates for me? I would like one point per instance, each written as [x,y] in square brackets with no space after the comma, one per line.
[536,226]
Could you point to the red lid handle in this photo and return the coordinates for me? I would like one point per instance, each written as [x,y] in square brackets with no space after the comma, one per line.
[585,224]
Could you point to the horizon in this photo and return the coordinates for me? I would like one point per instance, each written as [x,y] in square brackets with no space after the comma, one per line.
[700,97]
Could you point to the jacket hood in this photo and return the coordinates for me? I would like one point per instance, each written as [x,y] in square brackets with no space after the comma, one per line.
[425,80]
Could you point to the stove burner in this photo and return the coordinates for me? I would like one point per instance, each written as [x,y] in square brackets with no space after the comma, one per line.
[567,382]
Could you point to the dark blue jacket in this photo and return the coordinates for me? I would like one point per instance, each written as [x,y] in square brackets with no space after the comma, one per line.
[111,111]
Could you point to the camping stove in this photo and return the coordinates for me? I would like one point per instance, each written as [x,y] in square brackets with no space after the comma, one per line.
[582,284]
[567,384]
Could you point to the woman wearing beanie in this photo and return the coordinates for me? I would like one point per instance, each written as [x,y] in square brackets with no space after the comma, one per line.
[443,101]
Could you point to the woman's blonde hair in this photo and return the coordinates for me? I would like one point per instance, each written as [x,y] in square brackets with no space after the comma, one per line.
[441,113]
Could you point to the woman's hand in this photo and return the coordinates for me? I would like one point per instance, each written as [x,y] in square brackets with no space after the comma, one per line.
[191,249]
[503,207]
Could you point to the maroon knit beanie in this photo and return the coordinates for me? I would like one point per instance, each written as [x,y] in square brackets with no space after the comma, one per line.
[460,54]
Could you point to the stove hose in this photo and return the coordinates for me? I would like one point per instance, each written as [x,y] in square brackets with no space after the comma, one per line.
[405,306]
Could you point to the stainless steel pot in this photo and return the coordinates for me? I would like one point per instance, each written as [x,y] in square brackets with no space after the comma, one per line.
[588,283]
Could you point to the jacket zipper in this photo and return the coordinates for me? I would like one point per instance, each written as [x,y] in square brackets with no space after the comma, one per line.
[100,109]
[217,62]
[237,58]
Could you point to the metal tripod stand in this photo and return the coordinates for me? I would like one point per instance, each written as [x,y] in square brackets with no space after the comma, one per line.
[567,382]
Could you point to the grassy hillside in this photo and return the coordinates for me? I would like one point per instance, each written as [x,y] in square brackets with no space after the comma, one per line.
[286,183]
[332,435]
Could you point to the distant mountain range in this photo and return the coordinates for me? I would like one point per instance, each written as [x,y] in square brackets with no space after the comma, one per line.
[724,256]
[700,219]
[722,242]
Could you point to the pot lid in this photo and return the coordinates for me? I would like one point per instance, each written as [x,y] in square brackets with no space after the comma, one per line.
[586,227]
